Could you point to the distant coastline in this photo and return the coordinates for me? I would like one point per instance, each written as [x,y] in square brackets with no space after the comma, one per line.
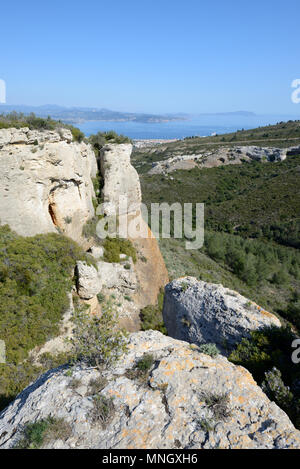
[79,115]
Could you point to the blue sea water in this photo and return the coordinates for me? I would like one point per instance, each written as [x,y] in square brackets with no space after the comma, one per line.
[202,125]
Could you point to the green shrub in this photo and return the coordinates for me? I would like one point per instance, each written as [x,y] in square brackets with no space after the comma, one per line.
[68,220]
[98,341]
[100,297]
[113,247]
[275,388]
[78,136]
[270,349]
[19,120]
[145,363]
[151,318]
[140,371]
[43,431]
[209,349]
[89,228]
[101,138]
[151,315]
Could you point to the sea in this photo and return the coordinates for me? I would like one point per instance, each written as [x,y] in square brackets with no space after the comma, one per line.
[204,125]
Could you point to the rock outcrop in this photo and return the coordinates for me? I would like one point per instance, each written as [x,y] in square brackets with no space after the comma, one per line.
[222,156]
[45,182]
[201,312]
[185,400]
[120,180]
[88,281]
[149,274]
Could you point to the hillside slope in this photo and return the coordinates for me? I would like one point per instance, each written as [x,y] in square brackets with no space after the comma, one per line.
[252,221]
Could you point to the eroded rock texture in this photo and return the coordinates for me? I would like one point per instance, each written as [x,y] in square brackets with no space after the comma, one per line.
[45,182]
[171,406]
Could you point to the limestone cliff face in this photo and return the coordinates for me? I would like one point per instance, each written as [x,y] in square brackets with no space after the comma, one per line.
[45,182]
[201,312]
[172,406]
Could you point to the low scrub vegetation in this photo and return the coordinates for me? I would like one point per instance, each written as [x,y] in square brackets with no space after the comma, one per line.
[113,247]
[254,261]
[35,278]
[103,410]
[209,349]
[140,371]
[19,120]
[102,138]
[43,431]
[267,355]
[97,341]
[252,199]
[151,316]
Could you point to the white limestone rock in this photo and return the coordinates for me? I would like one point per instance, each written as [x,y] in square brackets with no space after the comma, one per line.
[120,180]
[96,251]
[117,275]
[45,182]
[88,281]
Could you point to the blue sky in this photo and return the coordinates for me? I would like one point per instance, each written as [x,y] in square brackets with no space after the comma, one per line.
[153,56]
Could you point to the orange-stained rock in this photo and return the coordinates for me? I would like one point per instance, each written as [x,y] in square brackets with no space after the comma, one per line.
[172,406]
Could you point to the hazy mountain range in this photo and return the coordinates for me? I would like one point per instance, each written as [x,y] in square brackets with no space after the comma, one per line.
[81,114]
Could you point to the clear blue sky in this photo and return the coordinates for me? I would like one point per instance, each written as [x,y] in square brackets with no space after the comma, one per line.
[152,56]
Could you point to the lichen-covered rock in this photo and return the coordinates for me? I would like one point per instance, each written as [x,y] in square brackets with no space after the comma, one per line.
[201,312]
[45,182]
[171,405]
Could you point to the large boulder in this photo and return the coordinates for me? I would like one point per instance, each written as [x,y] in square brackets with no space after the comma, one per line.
[45,182]
[184,400]
[201,312]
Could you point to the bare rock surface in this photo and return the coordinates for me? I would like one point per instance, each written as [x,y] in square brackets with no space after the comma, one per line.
[201,312]
[118,275]
[168,407]
[120,180]
[45,182]
[88,281]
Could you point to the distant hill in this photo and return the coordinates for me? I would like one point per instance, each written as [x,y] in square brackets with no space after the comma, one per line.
[75,115]
[233,113]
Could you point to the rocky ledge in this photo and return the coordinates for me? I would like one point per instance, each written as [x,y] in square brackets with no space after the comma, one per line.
[185,399]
